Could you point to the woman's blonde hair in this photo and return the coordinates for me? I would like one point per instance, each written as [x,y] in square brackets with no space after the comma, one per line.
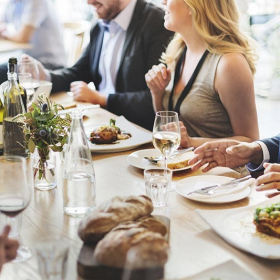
[216,21]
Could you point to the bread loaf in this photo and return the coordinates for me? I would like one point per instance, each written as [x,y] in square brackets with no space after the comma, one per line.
[111,213]
[149,223]
[177,162]
[149,249]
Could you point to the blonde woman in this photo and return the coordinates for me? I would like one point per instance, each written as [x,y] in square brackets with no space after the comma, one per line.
[209,75]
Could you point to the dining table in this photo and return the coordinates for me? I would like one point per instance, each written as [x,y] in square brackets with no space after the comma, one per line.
[194,245]
[9,46]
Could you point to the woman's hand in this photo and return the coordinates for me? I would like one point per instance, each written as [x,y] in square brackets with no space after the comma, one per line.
[270,180]
[8,247]
[185,139]
[157,79]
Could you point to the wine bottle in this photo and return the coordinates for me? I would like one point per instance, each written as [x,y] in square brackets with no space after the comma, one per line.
[13,136]
[1,126]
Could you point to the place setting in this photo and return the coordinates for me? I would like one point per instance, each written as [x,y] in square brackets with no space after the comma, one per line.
[214,189]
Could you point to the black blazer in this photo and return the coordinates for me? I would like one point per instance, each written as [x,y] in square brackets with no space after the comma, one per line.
[273,148]
[145,41]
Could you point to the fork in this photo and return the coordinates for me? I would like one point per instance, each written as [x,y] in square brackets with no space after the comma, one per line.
[210,190]
[178,152]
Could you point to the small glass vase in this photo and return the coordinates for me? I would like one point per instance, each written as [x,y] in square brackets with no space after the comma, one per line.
[44,169]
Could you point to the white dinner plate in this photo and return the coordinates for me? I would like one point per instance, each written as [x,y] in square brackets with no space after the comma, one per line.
[236,227]
[228,270]
[223,195]
[137,159]
[139,137]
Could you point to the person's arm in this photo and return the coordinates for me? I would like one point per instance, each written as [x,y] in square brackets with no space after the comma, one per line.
[228,153]
[22,36]
[234,84]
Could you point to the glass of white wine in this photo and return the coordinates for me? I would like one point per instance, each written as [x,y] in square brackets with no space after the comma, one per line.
[166,133]
[15,193]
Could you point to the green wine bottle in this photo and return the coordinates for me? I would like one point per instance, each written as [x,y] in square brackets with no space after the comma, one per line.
[13,136]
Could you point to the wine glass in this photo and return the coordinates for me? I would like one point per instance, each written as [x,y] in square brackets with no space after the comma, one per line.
[25,79]
[166,135]
[29,67]
[15,193]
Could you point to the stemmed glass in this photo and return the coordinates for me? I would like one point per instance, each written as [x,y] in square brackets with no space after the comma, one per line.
[15,193]
[29,72]
[25,79]
[166,135]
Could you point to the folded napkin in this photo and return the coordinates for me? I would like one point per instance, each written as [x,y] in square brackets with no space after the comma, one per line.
[227,189]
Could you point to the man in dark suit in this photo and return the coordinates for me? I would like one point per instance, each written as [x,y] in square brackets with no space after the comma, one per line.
[124,91]
[258,155]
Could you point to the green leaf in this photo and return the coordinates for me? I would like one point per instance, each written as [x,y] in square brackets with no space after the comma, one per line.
[45,117]
[56,148]
[31,145]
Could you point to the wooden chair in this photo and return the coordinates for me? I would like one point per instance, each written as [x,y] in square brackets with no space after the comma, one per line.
[74,37]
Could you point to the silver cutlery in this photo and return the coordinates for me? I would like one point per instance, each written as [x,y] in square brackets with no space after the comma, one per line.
[178,152]
[83,108]
[210,190]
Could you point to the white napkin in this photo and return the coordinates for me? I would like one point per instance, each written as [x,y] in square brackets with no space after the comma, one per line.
[227,189]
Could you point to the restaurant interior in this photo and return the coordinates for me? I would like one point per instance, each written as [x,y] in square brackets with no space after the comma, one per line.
[204,225]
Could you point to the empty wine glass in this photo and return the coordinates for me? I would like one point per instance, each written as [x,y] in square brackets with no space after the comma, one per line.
[15,193]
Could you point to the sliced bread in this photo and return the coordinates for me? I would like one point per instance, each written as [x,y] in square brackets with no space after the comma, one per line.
[178,161]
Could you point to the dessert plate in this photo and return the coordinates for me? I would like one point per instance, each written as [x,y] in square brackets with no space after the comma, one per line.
[236,227]
[137,159]
[223,195]
[139,137]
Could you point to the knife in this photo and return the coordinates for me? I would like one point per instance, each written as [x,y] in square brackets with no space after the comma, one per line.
[68,111]
[205,190]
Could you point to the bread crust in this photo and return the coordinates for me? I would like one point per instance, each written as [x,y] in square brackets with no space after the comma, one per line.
[151,248]
[111,213]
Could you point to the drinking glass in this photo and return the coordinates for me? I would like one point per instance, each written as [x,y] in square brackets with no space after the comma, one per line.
[166,133]
[25,79]
[15,193]
[52,255]
[30,67]
[157,185]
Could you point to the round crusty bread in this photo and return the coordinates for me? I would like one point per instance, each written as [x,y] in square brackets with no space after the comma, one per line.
[151,248]
[111,213]
[177,162]
[149,222]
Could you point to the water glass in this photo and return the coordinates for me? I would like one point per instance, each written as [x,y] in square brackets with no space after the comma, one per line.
[52,254]
[157,184]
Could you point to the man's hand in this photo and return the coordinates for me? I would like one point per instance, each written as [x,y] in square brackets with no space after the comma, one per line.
[229,153]
[8,247]
[83,93]
[270,180]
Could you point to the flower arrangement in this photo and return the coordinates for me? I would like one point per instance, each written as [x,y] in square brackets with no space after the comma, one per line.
[45,129]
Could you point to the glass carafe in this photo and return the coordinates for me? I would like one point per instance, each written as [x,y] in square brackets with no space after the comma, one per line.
[78,174]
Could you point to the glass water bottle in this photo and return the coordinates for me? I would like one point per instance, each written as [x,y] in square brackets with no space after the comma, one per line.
[78,175]
[13,136]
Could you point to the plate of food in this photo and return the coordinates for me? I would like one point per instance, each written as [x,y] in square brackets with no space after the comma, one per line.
[115,136]
[254,229]
[178,162]
[187,186]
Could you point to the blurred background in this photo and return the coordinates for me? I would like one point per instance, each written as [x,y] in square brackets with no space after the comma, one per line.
[259,18]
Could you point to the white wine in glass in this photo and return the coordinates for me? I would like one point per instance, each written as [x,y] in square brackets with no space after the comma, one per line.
[166,133]
[15,193]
